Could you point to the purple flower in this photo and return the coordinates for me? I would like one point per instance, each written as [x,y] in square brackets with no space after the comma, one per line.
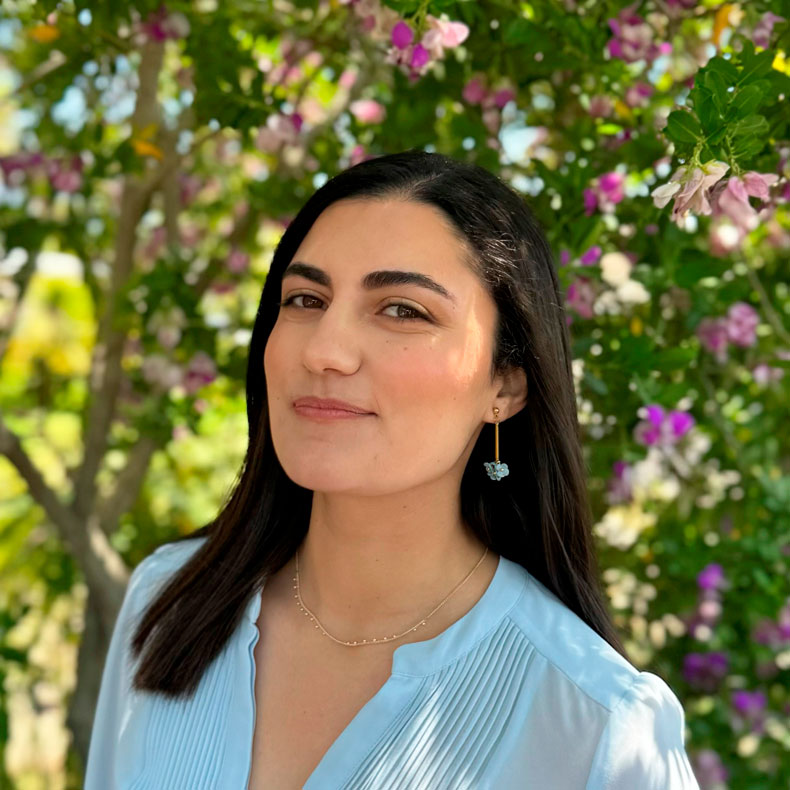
[709,769]
[714,336]
[761,35]
[711,577]
[590,256]
[742,320]
[619,487]
[200,371]
[633,37]
[705,671]
[419,57]
[402,35]
[748,703]
[681,423]
[662,428]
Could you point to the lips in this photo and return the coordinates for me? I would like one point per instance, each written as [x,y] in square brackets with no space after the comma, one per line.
[330,405]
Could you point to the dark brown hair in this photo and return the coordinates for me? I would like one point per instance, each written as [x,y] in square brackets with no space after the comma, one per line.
[539,516]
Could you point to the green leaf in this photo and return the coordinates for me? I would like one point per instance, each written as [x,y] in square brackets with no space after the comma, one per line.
[683,127]
[751,126]
[674,358]
[755,66]
[715,83]
[747,100]
[725,68]
[707,110]
[597,385]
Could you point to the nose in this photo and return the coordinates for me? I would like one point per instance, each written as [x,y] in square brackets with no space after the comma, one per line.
[332,342]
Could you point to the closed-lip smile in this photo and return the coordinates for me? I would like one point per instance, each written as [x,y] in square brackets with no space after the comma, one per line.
[330,406]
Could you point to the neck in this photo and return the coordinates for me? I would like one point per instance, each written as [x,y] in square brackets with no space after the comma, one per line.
[376,565]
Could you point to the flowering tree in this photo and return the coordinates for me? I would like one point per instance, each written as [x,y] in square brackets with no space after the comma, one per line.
[164,149]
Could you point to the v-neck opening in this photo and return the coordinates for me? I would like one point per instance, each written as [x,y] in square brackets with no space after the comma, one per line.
[412,663]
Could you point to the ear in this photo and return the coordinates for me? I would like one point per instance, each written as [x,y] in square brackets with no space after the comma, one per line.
[512,395]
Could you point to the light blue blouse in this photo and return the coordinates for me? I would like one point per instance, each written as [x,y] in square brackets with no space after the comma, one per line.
[518,694]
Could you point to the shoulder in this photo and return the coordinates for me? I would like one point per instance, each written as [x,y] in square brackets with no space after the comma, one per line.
[627,725]
[574,650]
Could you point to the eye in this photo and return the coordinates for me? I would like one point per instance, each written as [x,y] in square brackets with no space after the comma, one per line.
[415,313]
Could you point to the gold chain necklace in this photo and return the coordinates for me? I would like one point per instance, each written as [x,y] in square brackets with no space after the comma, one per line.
[309,614]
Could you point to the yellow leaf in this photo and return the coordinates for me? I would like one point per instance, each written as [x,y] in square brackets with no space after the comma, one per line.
[622,109]
[780,62]
[44,34]
[146,132]
[728,14]
[636,325]
[144,148]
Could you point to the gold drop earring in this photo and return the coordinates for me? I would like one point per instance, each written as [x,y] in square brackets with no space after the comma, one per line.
[495,469]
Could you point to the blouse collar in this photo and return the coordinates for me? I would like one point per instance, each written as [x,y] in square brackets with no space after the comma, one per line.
[506,587]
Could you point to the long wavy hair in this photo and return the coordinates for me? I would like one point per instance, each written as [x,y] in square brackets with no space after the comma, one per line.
[539,516]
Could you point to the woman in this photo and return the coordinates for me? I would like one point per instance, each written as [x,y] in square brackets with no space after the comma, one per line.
[384,602]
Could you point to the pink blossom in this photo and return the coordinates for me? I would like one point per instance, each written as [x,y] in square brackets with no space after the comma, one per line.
[22,162]
[238,261]
[279,129]
[161,25]
[402,35]
[502,97]
[731,198]
[605,193]
[765,374]
[65,175]
[638,94]
[694,187]
[742,321]
[189,187]
[474,91]
[581,296]
[200,371]
[443,33]
[357,155]
[633,37]
[600,106]
[761,35]
[681,4]
[347,79]
[619,486]
[714,337]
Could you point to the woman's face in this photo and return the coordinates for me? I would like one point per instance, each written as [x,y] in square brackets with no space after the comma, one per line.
[425,381]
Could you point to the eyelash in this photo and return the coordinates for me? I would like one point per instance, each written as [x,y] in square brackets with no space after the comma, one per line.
[420,316]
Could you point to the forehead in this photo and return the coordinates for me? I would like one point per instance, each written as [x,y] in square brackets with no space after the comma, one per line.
[353,236]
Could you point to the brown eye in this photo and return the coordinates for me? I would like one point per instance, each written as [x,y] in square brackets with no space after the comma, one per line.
[287,302]
[415,314]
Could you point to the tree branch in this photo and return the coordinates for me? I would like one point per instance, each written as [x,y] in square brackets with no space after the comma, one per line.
[106,370]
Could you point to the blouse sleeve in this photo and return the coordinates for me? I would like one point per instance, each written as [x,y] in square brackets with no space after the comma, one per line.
[642,744]
[113,692]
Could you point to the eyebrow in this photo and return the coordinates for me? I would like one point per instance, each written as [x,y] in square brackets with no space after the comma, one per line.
[381,278]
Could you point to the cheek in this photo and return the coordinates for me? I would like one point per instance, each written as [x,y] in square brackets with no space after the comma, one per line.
[433,376]
[275,361]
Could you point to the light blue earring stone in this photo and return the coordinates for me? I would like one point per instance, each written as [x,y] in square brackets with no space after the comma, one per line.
[496,471]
